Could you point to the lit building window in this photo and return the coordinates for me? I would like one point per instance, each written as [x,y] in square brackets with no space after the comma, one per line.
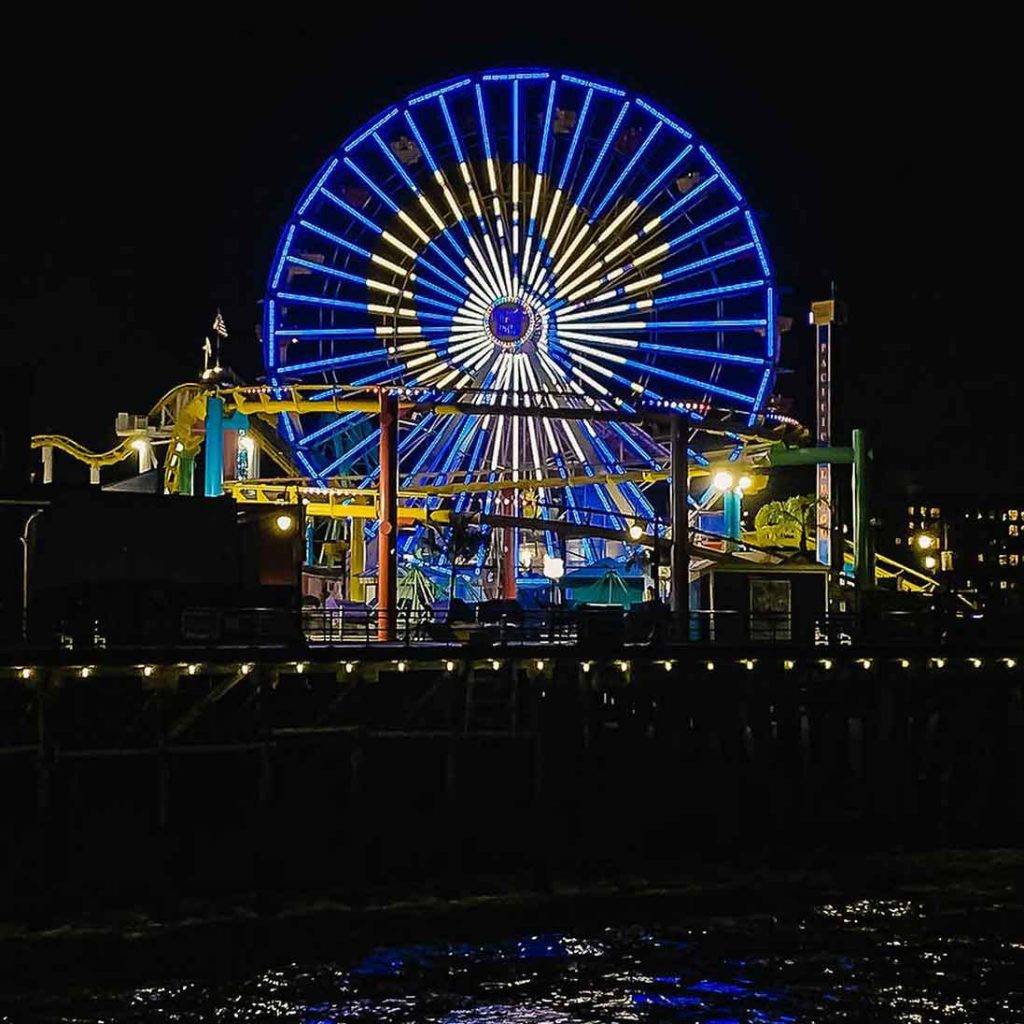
[1002,584]
[981,556]
[1013,530]
[910,510]
[934,513]
[1014,559]
[1002,559]
[1013,515]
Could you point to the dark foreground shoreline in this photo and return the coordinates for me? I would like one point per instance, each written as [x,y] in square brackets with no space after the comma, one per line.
[220,940]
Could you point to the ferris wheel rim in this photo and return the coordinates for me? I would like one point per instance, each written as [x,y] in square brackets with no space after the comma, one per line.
[417,98]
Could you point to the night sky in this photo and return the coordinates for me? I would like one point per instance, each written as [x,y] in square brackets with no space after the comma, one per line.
[150,166]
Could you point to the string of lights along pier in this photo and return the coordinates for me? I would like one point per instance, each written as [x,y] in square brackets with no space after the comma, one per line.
[517,238]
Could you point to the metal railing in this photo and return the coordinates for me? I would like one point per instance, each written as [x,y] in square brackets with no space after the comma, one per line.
[587,626]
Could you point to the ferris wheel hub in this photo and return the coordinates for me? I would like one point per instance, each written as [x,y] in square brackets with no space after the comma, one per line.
[509,324]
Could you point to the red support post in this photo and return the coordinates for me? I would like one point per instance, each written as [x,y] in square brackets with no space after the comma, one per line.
[387,500]
[508,563]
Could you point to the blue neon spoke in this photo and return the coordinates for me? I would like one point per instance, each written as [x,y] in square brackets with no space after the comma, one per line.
[352,333]
[396,163]
[657,182]
[448,424]
[371,184]
[688,198]
[727,256]
[582,193]
[577,131]
[704,294]
[682,379]
[356,450]
[703,228]
[321,268]
[352,211]
[456,144]
[635,445]
[434,247]
[332,362]
[515,122]
[700,353]
[336,239]
[383,375]
[329,429]
[483,122]
[315,300]
[547,128]
[640,150]
[424,148]
[683,326]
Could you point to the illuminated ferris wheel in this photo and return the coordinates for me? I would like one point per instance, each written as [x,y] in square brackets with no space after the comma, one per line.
[520,237]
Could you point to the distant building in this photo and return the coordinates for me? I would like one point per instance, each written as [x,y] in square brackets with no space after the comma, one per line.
[975,544]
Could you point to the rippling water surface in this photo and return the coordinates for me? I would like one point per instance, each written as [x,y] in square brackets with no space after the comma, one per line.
[874,960]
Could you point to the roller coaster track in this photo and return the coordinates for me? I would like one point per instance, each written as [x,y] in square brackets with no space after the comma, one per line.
[161,423]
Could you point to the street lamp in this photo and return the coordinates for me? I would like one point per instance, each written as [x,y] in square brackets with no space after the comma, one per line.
[554,570]
[284,522]
[930,561]
[723,480]
[636,531]
[925,541]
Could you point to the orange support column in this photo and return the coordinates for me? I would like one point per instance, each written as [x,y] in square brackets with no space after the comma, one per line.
[387,538]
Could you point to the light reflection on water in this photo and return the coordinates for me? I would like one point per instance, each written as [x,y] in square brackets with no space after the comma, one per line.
[871,960]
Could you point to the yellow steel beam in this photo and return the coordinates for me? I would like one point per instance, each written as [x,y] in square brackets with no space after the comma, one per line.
[340,503]
[92,459]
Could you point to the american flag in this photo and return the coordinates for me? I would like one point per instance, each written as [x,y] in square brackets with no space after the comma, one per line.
[219,327]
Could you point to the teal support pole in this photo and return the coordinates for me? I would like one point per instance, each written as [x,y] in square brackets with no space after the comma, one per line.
[864,571]
[732,506]
[214,447]
[310,551]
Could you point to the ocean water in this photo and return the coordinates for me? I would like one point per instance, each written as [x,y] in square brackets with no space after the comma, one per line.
[870,960]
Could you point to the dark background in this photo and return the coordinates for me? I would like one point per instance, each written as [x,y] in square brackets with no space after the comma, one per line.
[150,164]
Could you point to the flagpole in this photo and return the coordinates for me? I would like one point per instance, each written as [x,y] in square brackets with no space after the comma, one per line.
[220,331]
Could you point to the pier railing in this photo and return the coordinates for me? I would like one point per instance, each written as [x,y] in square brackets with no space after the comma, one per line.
[508,624]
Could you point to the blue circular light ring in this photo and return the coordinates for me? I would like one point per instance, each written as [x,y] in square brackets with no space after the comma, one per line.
[510,235]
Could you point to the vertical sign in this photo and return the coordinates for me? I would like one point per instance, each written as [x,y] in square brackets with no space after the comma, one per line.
[822,317]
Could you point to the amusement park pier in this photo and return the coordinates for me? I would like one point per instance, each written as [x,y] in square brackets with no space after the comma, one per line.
[513,538]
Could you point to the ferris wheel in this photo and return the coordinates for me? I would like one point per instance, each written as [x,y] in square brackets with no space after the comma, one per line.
[516,238]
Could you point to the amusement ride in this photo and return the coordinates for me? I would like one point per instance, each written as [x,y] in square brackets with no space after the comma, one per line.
[500,302]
